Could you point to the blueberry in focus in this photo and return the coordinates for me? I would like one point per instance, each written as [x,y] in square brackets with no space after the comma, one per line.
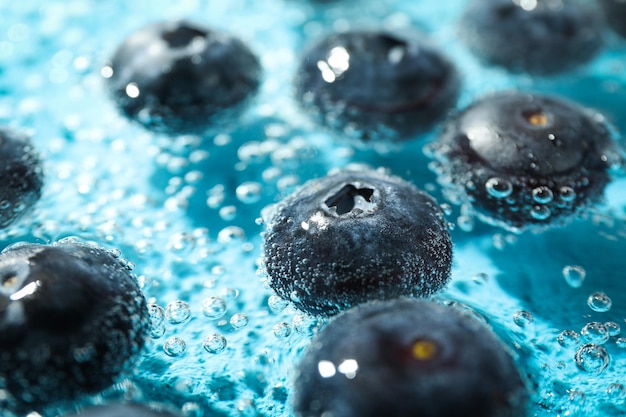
[376,86]
[615,12]
[407,357]
[355,236]
[180,77]
[72,318]
[21,176]
[537,37]
[526,160]
[122,410]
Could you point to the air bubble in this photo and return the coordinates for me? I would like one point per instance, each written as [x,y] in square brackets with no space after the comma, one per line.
[177,312]
[613,328]
[498,187]
[282,330]
[592,358]
[249,192]
[595,332]
[616,393]
[157,314]
[568,338]
[567,194]
[213,307]
[523,318]
[466,223]
[621,342]
[239,321]
[214,343]
[174,346]
[542,195]
[574,275]
[231,234]
[540,212]
[599,302]
[228,213]
[305,324]
[276,304]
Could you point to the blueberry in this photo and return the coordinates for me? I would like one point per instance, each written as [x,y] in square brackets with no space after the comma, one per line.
[376,86]
[71,319]
[408,357]
[180,77]
[538,37]
[615,11]
[21,177]
[355,236]
[122,410]
[526,160]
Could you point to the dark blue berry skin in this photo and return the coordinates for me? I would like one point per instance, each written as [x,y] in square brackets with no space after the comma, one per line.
[524,160]
[122,410]
[72,318]
[351,237]
[187,77]
[547,38]
[21,176]
[615,11]
[376,86]
[407,357]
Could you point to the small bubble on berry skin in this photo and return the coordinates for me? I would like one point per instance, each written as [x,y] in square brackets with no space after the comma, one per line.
[498,188]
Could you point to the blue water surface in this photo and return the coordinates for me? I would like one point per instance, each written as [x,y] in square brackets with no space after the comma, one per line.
[186,211]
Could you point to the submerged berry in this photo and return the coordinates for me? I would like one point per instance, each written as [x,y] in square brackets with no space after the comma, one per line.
[21,177]
[408,357]
[538,37]
[525,160]
[180,77]
[355,236]
[376,85]
[72,318]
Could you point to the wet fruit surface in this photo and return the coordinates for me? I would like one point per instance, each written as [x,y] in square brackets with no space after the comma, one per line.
[356,236]
[395,358]
[525,159]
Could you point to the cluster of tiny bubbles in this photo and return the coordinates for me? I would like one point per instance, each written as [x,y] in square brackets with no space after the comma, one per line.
[574,275]
[599,302]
